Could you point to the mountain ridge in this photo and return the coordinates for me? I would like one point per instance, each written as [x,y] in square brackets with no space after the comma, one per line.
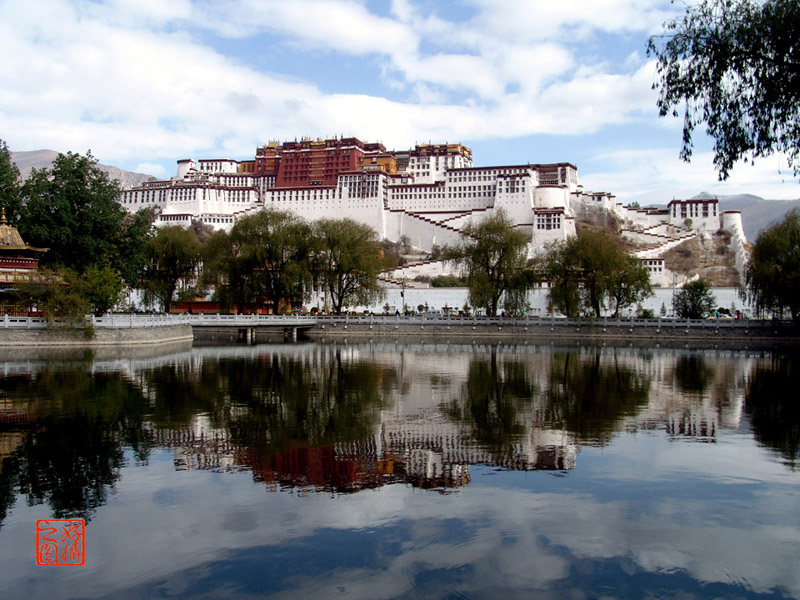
[26,161]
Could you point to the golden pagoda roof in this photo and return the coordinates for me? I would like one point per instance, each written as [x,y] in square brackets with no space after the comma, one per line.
[10,239]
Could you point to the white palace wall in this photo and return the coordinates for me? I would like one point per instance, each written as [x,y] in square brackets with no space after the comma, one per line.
[430,199]
[732,223]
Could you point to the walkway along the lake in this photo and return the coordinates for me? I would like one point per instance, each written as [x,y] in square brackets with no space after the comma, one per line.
[127,329]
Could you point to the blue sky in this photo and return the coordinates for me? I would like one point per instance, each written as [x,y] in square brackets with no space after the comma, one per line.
[143,83]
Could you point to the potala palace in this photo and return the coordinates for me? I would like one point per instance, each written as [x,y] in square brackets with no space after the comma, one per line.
[426,194]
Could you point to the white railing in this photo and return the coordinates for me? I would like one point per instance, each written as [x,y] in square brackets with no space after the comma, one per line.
[549,321]
[23,322]
[120,321]
[201,320]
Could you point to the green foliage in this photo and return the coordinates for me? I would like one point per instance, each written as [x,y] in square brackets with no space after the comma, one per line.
[137,230]
[172,255]
[598,254]
[772,279]
[446,281]
[223,271]
[71,209]
[694,301]
[102,287]
[493,255]
[271,250]
[347,261]
[629,284]
[734,65]
[60,296]
[66,295]
[10,195]
[591,272]
[560,267]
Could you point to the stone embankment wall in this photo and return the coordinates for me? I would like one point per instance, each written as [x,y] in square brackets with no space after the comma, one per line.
[706,334]
[123,336]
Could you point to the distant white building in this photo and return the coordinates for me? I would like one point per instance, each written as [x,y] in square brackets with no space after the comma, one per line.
[700,214]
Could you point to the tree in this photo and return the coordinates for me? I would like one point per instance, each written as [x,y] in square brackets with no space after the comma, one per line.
[222,270]
[10,198]
[71,209]
[599,254]
[560,268]
[58,295]
[493,255]
[628,284]
[347,261]
[274,248]
[593,272]
[172,254]
[772,277]
[137,230]
[694,301]
[102,287]
[735,66]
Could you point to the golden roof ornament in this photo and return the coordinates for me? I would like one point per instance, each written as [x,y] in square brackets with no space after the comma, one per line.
[10,239]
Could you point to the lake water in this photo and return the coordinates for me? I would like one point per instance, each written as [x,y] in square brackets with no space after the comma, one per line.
[385,470]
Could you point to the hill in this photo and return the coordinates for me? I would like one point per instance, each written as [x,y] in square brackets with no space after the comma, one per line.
[40,159]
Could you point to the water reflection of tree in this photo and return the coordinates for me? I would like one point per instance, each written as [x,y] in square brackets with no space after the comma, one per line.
[692,374]
[771,403]
[178,393]
[287,403]
[588,397]
[71,453]
[493,401]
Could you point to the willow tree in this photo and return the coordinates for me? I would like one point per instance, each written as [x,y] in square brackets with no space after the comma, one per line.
[172,255]
[772,278]
[493,255]
[593,272]
[347,261]
[735,66]
[274,248]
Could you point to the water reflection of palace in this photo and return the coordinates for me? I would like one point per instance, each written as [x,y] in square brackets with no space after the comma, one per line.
[443,403]
[427,452]
[345,418]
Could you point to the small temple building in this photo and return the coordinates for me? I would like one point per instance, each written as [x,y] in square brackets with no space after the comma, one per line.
[19,263]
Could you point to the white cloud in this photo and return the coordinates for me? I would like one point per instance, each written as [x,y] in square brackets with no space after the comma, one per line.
[135,93]
[657,176]
[149,81]
[543,19]
[150,169]
[342,25]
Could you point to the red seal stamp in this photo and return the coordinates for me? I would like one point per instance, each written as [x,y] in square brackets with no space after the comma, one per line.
[60,542]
